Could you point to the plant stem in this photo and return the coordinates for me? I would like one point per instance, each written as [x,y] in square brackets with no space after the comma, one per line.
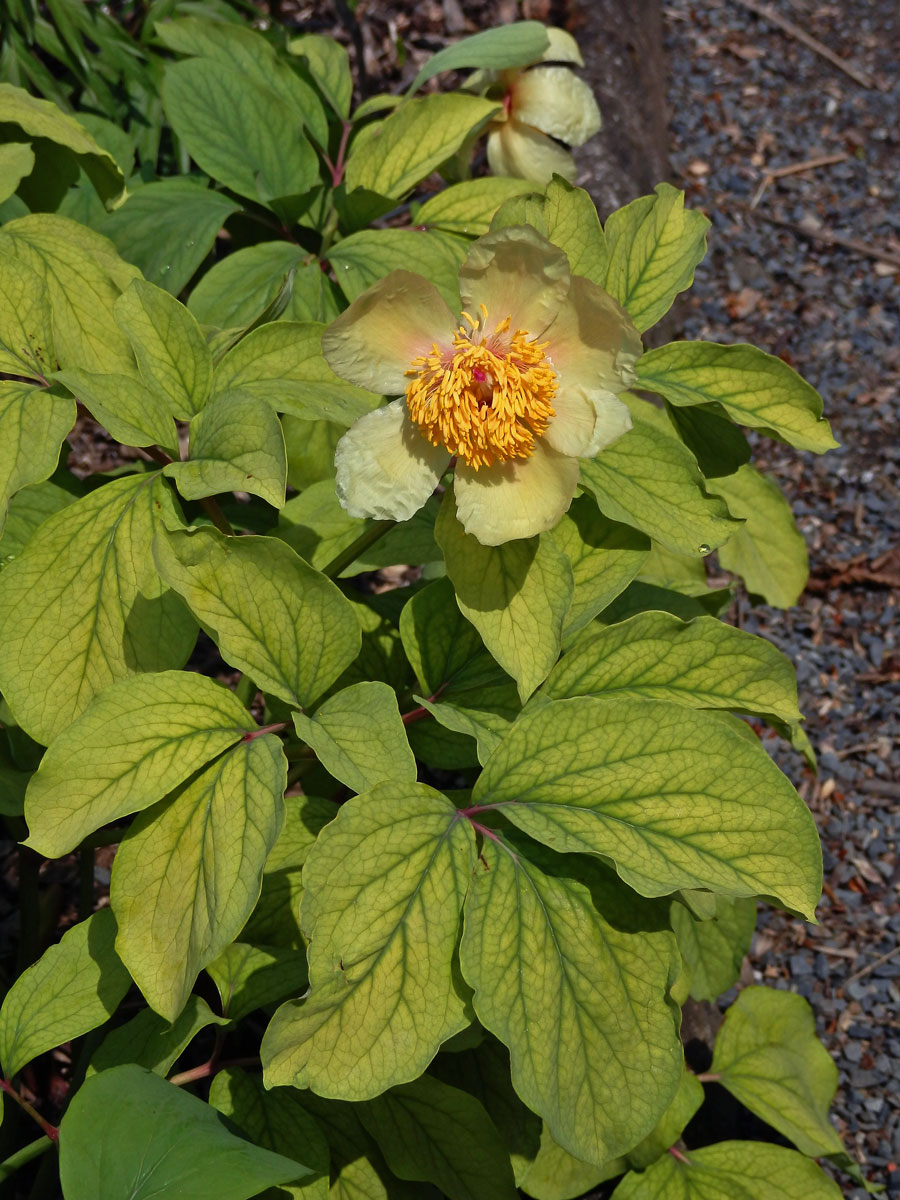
[23,1156]
[366,539]
[209,1068]
[255,733]
[682,1158]
[216,515]
[708,1077]
[50,1130]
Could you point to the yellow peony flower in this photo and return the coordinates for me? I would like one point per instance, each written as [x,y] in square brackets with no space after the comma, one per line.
[540,105]
[514,393]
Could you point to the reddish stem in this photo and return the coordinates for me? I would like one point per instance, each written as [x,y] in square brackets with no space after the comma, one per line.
[210,1068]
[682,1158]
[50,1130]
[417,714]
[488,833]
[478,808]
[255,733]
[337,167]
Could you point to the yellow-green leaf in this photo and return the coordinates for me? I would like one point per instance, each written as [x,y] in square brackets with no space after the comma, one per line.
[236,446]
[714,949]
[170,349]
[383,888]
[768,1056]
[675,798]
[329,65]
[133,413]
[44,120]
[16,161]
[359,738]
[671,1124]
[150,1041]
[654,246]
[469,207]
[33,424]
[250,977]
[365,257]
[26,323]
[282,363]
[512,45]
[72,988]
[136,742]
[581,1005]
[415,139]
[238,288]
[83,606]
[753,387]
[188,873]
[768,551]
[555,1174]
[702,663]
[273,616]
[516,595]
[566,216]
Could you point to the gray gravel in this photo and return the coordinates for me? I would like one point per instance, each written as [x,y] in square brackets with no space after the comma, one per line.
[744,97]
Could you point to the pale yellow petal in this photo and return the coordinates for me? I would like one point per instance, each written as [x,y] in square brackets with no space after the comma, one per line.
[385,468]
[586,422]
[525,153]
[515,273]
[557,102]
[593,343]
[562,48]
[517,499]
[384,329]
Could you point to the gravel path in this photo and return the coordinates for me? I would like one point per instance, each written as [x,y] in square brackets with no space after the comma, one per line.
[745,98]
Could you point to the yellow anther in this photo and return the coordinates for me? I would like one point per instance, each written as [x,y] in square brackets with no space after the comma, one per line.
[486,399]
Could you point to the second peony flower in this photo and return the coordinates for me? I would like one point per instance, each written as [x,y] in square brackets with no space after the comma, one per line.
[513,391]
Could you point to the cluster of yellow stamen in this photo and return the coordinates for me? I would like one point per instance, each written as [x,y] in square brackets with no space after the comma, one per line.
[488,397]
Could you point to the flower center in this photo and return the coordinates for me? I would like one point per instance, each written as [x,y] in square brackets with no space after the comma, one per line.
[488,397]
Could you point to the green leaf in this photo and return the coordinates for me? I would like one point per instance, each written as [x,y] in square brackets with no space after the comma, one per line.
[604,557]
[768,1056]
[654,246]
[702,663]
[26,323]
[414,140]
[516,595]
[730,1171]
[363,258]
[129,1133]
[171,352]
[43,120]
[566,216]
[671,1125]
[83,606]
[273,616]
[136,742]
[83,277]
[188,872]
[433,1133]
[239,131]
[283,364]
[72,988]
[16,162]
[13,782]
[236,446]
[383,888]
[133,413]
[675,799]
[754,388]
[167,228]
[714,949]
[718,446]
[277,1121]
[28,509]
[329,65]
[148,1040]
[514,45]
[580,1004]
[555,1174]
[649,479]
[359,738]
[467,208]
[768,551]
[250,977]
[237,289]
[33,425]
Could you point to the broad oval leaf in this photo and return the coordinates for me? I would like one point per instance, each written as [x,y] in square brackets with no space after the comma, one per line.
[133,413]
[383,888]
[137,741]
[753,387]
[674,797]
[580,1005]
[702,663]
[358,736]
[72,988]
[654,246]
[514,45]
[129,1133]
[768,1056]
[188,872]
[33,424]
[714,949]
[83,606]
[736,1170]
[273,616]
